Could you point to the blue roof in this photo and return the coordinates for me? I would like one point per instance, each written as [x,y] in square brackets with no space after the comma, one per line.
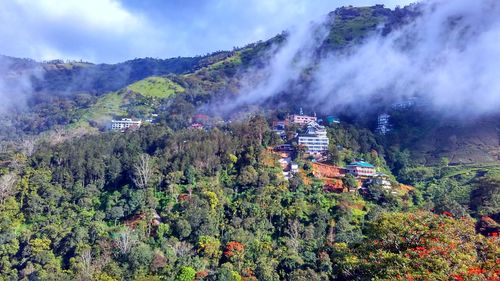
[362,164]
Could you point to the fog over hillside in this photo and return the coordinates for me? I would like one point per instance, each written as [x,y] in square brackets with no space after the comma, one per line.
[449,56]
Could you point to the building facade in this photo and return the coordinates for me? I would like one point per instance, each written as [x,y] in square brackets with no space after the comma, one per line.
[383,125]
[124,124]
[361,168]
[301,119]
[315,138]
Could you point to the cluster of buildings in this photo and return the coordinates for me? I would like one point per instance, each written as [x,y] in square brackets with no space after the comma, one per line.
[313,135]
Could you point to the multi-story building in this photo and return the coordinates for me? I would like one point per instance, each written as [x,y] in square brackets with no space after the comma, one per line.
[361,168]
[301,119]
[314,139]
[124,124]
[383,125]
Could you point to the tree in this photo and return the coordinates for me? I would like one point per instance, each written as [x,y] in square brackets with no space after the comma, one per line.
[186,273]
[143,171]
[350,181]
[7,184]
[126,240]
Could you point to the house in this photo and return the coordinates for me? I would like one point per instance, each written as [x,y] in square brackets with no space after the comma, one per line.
[361,168]
[124,124]
[284,147]
[382,180]
[201,118]
[301,119]
[314,138]
[279,128]
[198,126]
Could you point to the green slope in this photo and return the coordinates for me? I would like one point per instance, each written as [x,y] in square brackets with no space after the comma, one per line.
[159,87]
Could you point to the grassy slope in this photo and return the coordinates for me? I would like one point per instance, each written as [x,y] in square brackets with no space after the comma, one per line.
[106,106]
[158,87]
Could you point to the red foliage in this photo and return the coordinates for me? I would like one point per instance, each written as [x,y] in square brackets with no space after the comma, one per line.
[201,274]
[232,248]
[446,213]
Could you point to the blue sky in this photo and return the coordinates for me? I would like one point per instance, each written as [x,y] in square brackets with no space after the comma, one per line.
[112,30]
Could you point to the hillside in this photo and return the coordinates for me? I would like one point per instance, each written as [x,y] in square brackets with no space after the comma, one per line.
[235,166]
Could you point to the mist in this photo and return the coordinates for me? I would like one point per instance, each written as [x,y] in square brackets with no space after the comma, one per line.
[448,58]
[15,84]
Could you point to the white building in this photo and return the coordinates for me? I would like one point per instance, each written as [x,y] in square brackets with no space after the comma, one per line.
[315,138]
[383,125]
[124,124]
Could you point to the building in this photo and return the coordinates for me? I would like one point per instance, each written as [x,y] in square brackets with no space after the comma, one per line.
[124,124]
[383,125]
[314,139]
[201,118]
[284,147]
[361,168]
[332,120]
[301,119]
[197,126]
[382,180]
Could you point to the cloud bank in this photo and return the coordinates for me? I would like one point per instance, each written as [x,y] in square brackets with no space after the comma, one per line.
[449,56]
[117,30]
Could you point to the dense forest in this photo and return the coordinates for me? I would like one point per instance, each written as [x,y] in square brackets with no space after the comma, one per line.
[163,204]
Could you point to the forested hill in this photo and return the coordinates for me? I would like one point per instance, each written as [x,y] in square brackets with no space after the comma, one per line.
[201,192]
[58,76]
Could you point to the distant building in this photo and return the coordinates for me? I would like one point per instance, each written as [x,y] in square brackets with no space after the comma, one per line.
[361,168]
[332,120]
[198,126]
[382,180]
[201,118]
[314,139]
[283,147]
[405,104]
[279,128]
[124,124]
[301,119]
[383,125]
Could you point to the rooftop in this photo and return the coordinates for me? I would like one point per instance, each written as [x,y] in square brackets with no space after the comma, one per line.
[362,164]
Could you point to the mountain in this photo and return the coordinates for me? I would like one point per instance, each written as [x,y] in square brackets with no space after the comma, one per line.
[203,192]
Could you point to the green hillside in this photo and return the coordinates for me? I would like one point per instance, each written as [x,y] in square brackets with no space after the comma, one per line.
[159,87]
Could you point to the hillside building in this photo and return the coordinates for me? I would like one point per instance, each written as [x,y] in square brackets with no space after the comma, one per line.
[332,120]
[383,125]
[301,119]
[361,168]
[314,138]
[125,124]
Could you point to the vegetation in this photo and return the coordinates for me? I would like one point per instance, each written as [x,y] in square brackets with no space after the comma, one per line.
[159,204]
[167,202]
[158,87]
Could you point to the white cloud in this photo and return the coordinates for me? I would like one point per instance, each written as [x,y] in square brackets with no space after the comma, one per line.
[91,29]
[113,30]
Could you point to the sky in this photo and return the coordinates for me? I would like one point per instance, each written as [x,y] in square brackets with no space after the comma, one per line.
[110,31]
[448,58]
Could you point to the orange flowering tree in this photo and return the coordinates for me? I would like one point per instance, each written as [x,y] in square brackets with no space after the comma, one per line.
[425,246]
[235,253]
